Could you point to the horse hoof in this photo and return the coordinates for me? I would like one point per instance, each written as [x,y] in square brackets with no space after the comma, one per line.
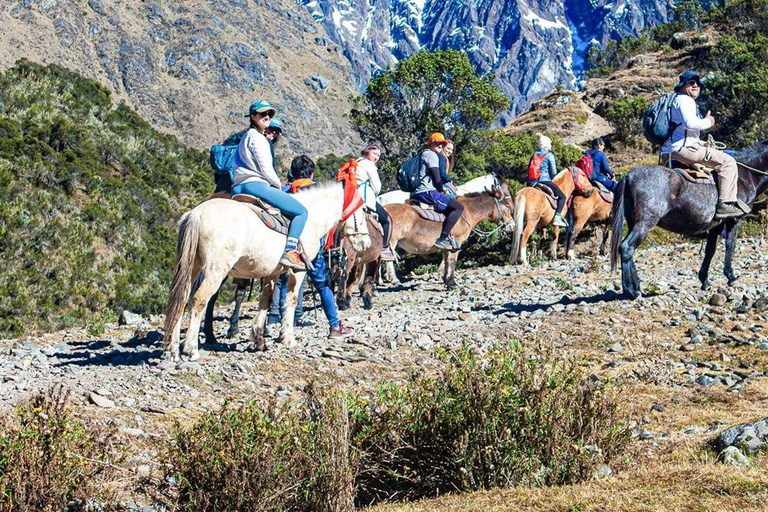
[232,333]
[194,356]
[571,255]
[210,340]
[731,282]
[260,346]
[706,285]
[367,303]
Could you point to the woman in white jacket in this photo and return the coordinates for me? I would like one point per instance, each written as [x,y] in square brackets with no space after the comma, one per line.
[255,175]
[369,185]
[686,146]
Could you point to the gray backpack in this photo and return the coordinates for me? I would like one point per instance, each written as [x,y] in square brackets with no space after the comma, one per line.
[657,124]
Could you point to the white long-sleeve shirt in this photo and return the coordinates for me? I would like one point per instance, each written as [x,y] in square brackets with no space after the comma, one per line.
[689,125]
[368,182]
[253,160]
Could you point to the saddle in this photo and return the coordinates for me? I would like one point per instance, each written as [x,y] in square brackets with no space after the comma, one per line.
[606,194]
[696,173]
[374,219]
[269,215]
[548,193]
[426,211]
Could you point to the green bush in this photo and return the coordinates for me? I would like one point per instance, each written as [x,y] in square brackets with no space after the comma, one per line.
[49,460]
[626,115]
[498,420]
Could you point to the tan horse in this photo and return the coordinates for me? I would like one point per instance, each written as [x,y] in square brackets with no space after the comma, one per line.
[416,235]
[533,211]
[587,209]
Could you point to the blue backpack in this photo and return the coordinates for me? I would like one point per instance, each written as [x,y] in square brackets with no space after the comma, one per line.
[657,124]
[222,160]
[407,177]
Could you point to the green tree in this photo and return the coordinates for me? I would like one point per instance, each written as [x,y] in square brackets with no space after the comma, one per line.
[424,93]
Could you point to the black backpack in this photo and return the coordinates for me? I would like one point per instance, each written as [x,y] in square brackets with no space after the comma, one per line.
[657,124]
[408,176]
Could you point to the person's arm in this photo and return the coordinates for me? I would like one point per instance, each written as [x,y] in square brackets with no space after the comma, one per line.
[552,165]
[432,161]
[374,179]
[605,166]
[691,121]
[262,155]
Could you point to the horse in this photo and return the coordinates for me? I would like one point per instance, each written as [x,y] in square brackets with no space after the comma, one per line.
[399,197]
[533,211]
[221,237]
[360,265]
[416,235]
[587,209]
[651,195]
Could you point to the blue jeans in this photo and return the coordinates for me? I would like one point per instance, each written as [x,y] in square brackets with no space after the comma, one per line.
[605,181]
[287,204]
[320,281]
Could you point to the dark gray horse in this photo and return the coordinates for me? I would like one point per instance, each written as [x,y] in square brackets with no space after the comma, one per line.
[652,195]
[210,337]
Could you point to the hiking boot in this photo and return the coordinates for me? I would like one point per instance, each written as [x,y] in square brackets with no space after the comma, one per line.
[292,259]
[559,221]
[388,254]
[303,322]
[340,332]
[727,210]
[446,243]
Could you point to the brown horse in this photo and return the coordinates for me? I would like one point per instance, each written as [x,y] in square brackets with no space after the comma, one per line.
[587,209]
[416,235]
[533,211]
[360,265]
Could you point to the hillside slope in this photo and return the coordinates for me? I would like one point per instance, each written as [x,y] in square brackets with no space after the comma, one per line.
[192,67]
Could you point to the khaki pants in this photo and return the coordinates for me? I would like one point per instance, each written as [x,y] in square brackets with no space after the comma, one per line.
[724,165]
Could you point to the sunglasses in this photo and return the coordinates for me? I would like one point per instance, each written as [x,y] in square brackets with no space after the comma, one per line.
[268,113]
[692,82]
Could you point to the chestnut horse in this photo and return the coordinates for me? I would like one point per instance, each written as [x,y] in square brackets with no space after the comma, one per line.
[592,208]
[533,211]
[416,235]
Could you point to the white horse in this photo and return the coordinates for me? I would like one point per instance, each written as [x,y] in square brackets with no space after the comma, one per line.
[221,238]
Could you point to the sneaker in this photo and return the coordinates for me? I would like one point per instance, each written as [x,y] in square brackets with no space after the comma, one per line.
[292,259]
[445,243]
[559,221]
[340,332]
[387,254]
[303,322]
[727,210]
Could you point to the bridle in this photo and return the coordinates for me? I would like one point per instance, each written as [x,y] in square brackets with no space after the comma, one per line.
[501,203]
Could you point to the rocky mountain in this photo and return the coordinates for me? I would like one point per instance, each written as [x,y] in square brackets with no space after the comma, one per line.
[531,45]
[192,67]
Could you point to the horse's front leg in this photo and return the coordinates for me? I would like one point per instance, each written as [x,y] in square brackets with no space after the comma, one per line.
[265,299]
[449,264]
[235,320]
[709,252]
[603,244]
[210,336]
[291,298]
[731,233]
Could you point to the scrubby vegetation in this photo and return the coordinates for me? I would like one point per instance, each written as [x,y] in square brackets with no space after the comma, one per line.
[491,421]
[49,461]
[88,197]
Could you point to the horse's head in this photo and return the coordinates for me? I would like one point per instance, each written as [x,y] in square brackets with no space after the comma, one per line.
[355,229]
[583,186]
[504,201]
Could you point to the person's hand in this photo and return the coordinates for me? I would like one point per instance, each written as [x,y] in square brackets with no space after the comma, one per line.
[711,119]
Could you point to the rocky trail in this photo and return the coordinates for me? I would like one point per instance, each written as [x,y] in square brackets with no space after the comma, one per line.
[692,363]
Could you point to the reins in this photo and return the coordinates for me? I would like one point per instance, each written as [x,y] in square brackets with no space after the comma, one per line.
[484,234]
[711,142]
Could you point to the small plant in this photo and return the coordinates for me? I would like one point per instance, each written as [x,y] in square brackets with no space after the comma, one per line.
[563,284]
[422,270]
[49,459]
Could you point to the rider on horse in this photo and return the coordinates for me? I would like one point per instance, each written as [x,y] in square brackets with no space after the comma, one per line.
[255,175]
[547,170]
[431,190]
[601,172]
[369,185]
[685,146]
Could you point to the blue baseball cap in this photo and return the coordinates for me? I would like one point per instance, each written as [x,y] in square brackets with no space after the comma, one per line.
[275,125]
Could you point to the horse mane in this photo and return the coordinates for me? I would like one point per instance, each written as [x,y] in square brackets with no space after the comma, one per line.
[317,187]
[754,153]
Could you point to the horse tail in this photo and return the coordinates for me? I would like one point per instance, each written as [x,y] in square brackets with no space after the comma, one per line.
[617,223]
[517,232]
[181,286]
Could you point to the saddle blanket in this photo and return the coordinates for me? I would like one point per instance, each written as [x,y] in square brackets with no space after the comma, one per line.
[687,176]
[376,223]
[548,194]
[606,194]
[271,217]
[430,215]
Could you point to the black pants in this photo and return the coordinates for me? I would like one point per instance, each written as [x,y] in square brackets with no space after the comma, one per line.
[452,215]
[558,193]
[386,223]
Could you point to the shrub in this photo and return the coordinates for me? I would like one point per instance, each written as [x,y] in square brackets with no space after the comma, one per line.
[626,115]
[495,421]
[48,460]
[248,458]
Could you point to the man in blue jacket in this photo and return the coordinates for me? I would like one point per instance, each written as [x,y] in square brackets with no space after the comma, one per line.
[602,172]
